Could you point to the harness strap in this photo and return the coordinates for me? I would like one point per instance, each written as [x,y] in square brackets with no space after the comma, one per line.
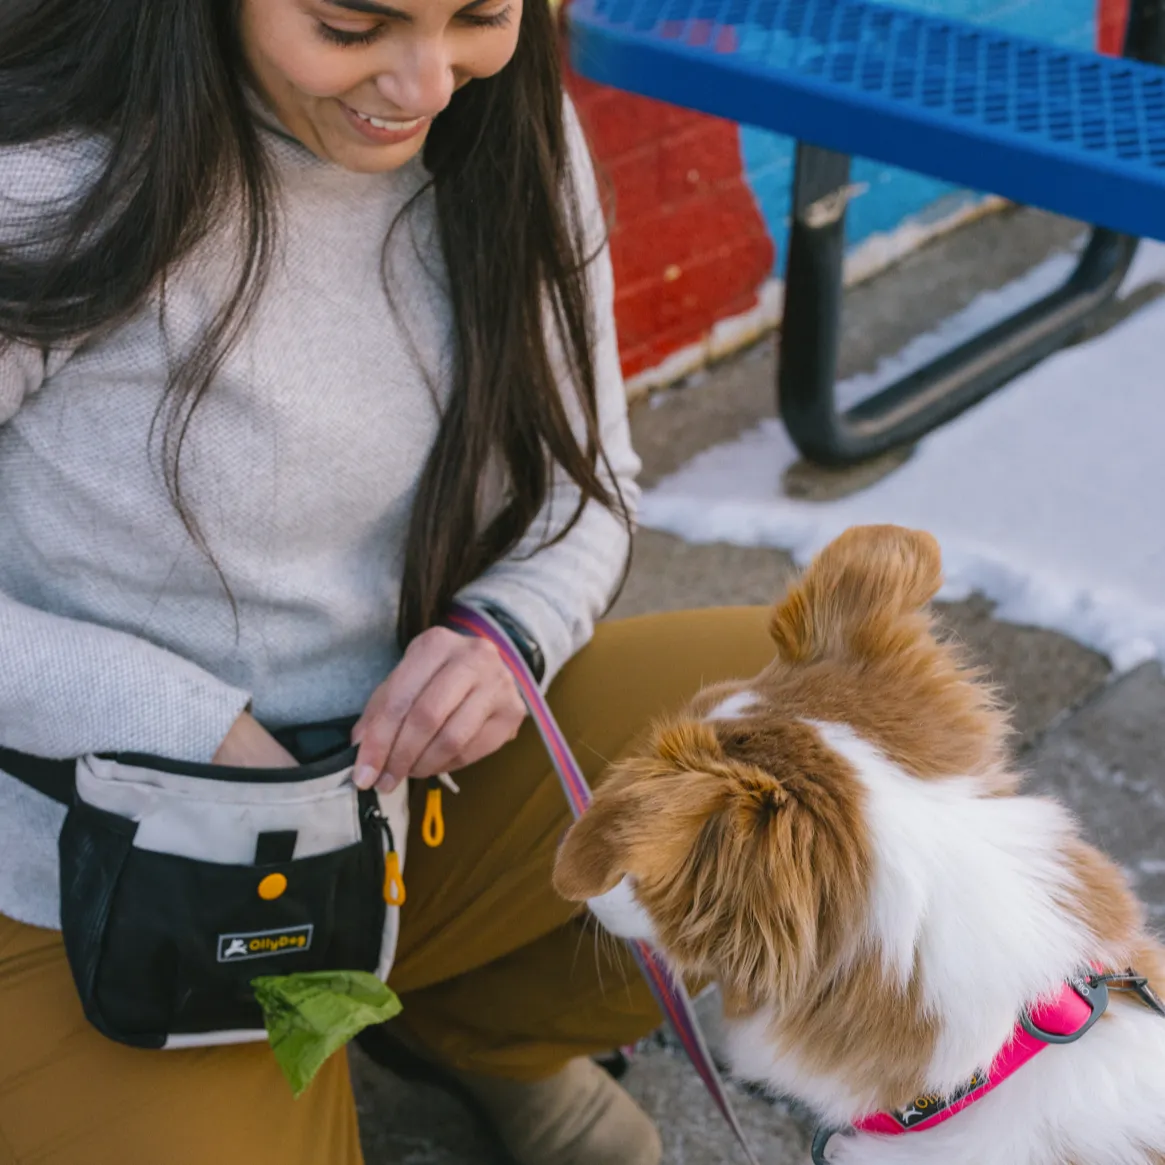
[669,992]
[1061,1018]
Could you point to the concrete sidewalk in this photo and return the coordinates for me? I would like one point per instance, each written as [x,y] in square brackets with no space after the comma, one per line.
[1094,741]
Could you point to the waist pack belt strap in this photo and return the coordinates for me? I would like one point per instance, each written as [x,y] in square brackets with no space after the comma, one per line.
[666,987]
[57,778]
[53,778]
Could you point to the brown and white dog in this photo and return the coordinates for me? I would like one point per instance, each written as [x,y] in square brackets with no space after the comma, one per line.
[841,845]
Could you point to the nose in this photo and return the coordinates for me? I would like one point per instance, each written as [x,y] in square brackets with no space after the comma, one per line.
[422,82]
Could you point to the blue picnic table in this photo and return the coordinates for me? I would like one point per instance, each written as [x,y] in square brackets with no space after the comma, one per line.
[1068,131]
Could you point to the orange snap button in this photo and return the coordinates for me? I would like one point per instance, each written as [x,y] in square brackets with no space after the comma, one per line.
[272,886]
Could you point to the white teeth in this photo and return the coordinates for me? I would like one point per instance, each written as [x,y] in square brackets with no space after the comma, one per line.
[382,123]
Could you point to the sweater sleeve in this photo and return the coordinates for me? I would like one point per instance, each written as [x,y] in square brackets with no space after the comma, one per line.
[558,592]
[69,687]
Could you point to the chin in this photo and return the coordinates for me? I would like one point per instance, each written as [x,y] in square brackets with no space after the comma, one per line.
[362,157]
[844,845]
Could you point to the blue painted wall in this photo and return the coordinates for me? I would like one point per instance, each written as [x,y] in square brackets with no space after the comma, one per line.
[895,195]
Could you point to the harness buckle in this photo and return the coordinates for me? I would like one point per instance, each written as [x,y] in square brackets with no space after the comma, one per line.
[1093,989]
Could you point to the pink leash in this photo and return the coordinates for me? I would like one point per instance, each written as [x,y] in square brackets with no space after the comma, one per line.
[669,992]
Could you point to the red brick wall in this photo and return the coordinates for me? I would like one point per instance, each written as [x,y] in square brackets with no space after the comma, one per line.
[1111,16]
[689,244]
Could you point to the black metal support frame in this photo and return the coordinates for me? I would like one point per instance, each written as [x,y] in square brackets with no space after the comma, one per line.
[923,400]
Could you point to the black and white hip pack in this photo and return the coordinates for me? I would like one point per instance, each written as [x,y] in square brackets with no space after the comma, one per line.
[181,883]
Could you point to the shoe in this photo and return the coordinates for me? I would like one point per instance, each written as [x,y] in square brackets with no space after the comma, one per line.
[579,1116]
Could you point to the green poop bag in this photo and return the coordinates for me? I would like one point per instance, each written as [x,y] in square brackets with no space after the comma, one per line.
[310,1016]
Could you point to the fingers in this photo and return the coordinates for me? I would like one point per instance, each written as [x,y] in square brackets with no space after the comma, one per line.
[377,729]
[450,702]
[472,732]
[428,721]
[249,745]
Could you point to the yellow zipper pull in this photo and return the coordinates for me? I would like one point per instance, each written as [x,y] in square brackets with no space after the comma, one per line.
[394,883]
[433,825]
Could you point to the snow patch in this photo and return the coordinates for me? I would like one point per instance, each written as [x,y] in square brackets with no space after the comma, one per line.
[1048,497]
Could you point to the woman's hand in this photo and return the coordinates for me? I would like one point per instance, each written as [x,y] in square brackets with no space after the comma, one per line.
[450,702]
[249,745]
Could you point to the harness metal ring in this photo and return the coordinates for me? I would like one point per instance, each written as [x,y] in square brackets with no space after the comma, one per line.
[1094,991]
[821,1139]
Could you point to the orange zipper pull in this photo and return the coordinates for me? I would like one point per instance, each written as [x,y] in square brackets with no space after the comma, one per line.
[433,825]
[394,883]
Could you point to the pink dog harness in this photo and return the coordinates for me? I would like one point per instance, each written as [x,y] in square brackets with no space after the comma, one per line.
[1061,1019]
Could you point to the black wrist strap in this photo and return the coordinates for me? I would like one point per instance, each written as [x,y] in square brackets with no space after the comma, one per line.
[526,644]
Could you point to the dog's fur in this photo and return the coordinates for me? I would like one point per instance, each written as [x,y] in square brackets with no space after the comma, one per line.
[840,844]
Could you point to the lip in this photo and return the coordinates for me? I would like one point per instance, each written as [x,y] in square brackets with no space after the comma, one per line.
[383,137]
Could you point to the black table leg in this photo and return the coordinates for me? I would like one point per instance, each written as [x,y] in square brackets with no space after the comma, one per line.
[925,399]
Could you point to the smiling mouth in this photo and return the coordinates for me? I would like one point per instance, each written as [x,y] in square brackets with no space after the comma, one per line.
[394,124]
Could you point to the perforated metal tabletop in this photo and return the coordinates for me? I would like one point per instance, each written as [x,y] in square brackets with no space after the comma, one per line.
[1068,131]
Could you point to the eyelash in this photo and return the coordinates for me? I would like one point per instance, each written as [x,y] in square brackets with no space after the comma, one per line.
[341,37]
[497,20]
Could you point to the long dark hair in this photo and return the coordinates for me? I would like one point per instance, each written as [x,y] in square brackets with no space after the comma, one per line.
[164,86]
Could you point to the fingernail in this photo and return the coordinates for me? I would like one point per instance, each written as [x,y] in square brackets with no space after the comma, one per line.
[364,777]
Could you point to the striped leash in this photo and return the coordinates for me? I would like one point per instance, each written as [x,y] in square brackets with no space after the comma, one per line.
[669,992]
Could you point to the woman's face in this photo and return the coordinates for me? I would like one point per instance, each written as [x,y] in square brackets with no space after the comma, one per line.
[360,81]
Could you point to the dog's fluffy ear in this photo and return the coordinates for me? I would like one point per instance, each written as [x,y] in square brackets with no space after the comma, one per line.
[747,874]
[858,594]
[644,818]
[595,853]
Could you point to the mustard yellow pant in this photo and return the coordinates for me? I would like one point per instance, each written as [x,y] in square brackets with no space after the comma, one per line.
[495,972]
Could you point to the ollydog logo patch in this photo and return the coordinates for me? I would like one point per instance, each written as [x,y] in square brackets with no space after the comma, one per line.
[233,948]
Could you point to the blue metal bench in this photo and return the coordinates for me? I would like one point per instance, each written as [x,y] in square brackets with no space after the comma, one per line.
[1068,131]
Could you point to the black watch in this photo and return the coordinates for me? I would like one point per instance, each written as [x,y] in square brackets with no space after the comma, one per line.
[526,644]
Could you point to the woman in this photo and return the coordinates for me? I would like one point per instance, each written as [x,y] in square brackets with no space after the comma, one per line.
[306,325]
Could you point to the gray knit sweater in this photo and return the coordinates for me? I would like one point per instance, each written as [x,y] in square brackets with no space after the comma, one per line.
[301,467]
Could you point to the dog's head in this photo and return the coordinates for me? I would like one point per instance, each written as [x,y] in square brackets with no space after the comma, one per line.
[738,840]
